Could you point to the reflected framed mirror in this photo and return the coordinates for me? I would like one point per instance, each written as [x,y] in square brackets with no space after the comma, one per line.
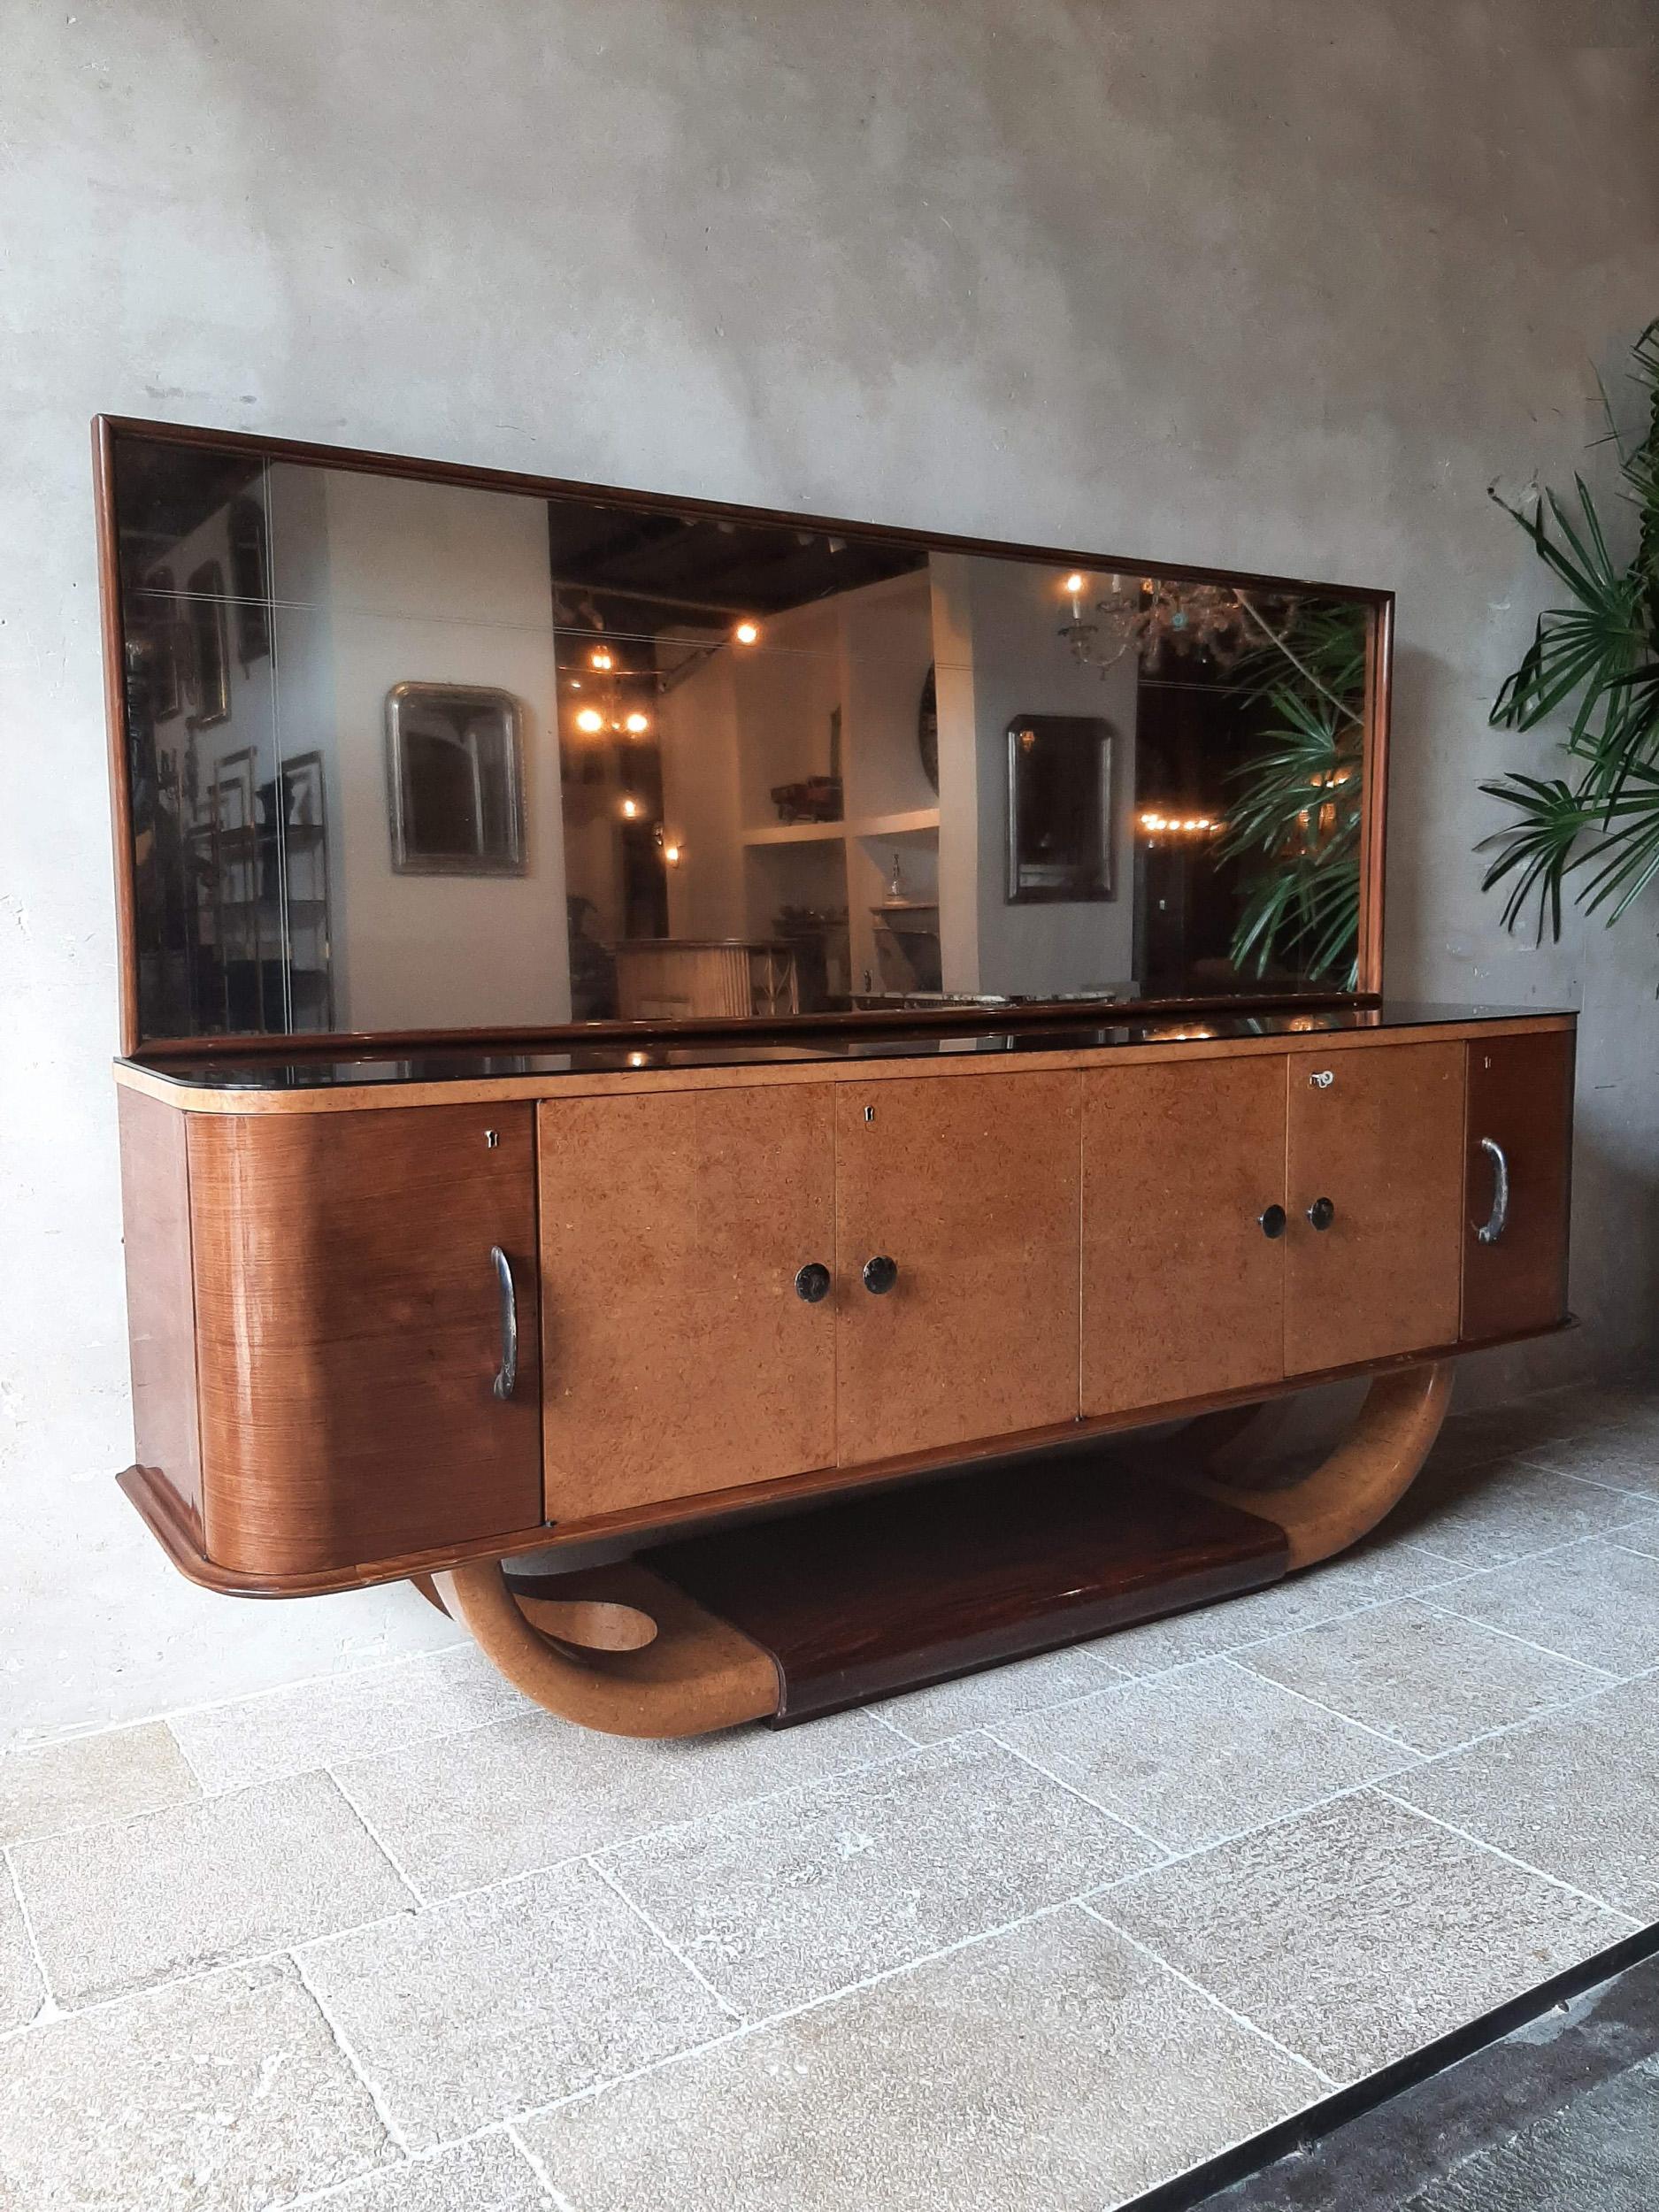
[455,781]
[1061,833]
[406,750]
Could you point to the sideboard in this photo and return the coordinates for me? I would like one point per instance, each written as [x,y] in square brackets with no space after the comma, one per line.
[541,1184]
[397,1319]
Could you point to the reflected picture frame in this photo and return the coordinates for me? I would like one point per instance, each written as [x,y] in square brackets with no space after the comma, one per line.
[455,781]
[1061,828]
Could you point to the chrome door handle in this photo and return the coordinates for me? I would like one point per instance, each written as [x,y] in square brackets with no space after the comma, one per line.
[1493,1227]
[507,1375]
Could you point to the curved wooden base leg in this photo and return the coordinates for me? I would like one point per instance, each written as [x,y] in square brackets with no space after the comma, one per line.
[429,1590]
[1365,1476]
[632,1655]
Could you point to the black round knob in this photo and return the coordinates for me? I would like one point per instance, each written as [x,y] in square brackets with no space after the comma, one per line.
[1322,1213]
[880,1274]
[812,1282]
[1272,1221]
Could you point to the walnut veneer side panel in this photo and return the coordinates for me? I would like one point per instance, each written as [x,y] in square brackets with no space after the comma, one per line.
[679,1357]
[160,1299]
[350,1333]
[1183,1292]
[1382,1140]
[972,1189]
[1520,1095]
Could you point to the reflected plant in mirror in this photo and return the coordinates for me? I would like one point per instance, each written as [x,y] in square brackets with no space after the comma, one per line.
[1297,800]
[408,748]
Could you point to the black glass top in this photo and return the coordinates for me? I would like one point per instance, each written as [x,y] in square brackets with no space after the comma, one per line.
[618,1056]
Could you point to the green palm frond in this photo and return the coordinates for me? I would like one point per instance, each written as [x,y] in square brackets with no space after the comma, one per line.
[1598,834]
[1295,817]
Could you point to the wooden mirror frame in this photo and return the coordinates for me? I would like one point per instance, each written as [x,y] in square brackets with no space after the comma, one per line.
[107,429]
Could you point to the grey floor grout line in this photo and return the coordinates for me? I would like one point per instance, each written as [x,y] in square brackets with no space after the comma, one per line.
[538,2166]
[49,2008]
[1240,2019]
[1524,1866]
[1528,1643]
[749,2029]
[1385,1737]
[242,1965]
[371,2089]
[170,1713]
[1160,1844]
[379,1843]
[648,1920]
[331,2192]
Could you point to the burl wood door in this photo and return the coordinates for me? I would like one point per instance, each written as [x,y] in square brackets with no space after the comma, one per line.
[1518,1177]
[350,1331]
[1183,1229]
[680,1357]
[966,1187]
[1374,1189]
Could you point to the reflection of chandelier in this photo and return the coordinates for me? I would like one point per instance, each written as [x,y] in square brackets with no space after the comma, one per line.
[1154,615]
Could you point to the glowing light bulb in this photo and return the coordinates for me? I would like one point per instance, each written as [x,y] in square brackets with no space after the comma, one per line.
[631,809]
[670,854]
[1073,584]
[590,719]
[600,657]
[746,633]
[638,724]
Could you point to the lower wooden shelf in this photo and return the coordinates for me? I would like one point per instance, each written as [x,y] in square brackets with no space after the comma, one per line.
[891,1592]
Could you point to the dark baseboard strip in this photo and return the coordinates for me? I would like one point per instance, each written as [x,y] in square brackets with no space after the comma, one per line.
[1304,2129]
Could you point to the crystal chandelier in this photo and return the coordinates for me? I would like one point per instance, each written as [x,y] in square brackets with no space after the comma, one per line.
[1153,616]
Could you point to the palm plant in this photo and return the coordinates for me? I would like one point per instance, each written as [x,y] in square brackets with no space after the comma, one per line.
[1599,824]
[1294,815]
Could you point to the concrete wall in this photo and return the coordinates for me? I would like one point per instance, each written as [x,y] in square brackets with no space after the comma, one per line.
[1282,285]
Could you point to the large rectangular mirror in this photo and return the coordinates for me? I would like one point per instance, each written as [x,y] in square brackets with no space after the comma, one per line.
[404,750]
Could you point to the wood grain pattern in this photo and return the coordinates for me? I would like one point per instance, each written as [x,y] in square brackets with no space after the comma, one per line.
[1520,1095]
[1384,1142]
[974,1189]
[160,1299]
[156,1506]
[889,1592]
[679,1357]
[1182,1292]
[695,1675]
[349,1334]
[1373,825]
[1364,1475]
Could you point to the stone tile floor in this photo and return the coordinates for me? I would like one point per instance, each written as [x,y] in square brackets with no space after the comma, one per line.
[1563,2115]
[397,1942]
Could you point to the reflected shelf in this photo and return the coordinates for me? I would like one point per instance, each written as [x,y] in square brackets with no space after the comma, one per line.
[912,822]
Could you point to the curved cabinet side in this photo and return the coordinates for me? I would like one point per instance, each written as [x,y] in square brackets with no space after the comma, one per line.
[350,1334]
[160,1304]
